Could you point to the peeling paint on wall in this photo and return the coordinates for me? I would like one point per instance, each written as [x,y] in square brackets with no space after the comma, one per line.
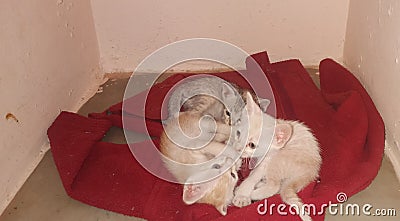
[10,116]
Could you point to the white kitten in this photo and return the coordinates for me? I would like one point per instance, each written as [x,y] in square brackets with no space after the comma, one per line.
[291,163]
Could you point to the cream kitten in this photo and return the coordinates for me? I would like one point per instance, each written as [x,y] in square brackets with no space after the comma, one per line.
[291,163]
[217,192]
[197,157]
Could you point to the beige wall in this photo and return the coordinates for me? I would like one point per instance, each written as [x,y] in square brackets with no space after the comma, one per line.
[309,29]
[372,52]
[48,62]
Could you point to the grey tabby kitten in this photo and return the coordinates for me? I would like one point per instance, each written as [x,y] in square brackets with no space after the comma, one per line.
[209,96]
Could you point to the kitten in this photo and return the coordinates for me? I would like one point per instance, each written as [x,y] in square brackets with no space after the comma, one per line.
[213,96]
[208,105]
[291,163]
[217,192]
[200,143]
[202,93]
[256,129]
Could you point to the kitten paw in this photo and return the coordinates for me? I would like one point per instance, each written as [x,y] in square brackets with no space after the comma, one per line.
[241,201]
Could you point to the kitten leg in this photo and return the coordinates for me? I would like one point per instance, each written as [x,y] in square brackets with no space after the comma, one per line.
[265,190]
[243,192]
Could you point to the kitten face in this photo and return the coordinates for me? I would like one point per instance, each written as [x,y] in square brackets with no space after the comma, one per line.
[256,130]
[217,192]
[249,128]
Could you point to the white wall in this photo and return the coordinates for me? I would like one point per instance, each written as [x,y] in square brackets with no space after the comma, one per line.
[309,29]
[49,61]
[372,51]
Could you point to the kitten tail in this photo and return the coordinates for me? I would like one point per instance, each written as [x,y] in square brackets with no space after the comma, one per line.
[289,196]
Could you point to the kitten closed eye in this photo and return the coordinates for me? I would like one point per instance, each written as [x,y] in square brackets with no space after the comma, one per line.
[237,135]
[216,166]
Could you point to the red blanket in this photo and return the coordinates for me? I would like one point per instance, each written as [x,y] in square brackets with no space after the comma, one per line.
[341,114]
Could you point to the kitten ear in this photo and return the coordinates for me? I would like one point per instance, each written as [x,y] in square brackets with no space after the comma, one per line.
[223,209]
[194,192]
[252,107]
[227,90]
[264,104]
[283,132]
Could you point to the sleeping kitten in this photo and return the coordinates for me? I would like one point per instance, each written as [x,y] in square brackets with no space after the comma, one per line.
[197,157]
[217,192]
[208,105]
[201,93]
[213,96]
[291,163]
[192,137]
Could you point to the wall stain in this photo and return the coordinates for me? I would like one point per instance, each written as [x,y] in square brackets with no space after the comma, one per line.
[10,116]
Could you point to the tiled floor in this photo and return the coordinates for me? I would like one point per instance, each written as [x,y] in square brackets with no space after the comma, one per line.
[43,198]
